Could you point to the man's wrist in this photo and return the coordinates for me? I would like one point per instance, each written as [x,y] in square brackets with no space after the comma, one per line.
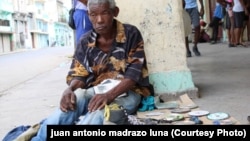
[110,97]
[70,88]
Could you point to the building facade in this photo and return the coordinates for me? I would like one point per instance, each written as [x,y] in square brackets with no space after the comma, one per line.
[27,24]
[6,26]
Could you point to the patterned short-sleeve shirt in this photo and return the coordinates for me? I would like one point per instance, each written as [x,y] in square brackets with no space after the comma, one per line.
[126,59]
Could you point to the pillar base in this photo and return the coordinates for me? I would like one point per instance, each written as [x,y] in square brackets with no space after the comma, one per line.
[192,93]
[170,85]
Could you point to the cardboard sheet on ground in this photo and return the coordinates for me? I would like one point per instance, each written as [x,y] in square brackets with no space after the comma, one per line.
[183,101]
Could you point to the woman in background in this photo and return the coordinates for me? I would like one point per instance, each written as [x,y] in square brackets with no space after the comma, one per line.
[239,12]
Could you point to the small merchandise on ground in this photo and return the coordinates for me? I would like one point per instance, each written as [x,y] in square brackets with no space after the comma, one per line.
[186,113]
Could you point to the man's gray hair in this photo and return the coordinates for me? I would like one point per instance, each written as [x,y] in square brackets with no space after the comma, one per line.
[112,3]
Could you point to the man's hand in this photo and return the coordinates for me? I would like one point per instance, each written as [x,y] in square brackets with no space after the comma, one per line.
[98,102]
[68,100]
[201,9]
[202,12]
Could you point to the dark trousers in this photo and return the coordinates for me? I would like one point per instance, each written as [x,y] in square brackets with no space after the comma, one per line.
[215,26]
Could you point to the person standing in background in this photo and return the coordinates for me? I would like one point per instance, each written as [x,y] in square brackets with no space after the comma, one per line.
[230,23]
[81,18]
[246,21]
[191,7]
[239,12]
[218,15]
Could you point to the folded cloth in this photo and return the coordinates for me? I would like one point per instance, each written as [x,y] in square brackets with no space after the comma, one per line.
[22,133]
[147,104]
[14,133]
[28,134]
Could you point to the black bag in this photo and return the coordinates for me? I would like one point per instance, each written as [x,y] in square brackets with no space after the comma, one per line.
[71,22]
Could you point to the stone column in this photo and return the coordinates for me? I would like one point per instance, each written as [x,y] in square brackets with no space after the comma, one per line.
[161,24]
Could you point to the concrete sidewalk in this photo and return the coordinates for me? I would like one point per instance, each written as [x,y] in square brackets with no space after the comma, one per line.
[221,74]
[30,102]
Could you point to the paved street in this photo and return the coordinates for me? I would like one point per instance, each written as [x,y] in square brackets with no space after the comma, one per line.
[36,87]
[19,67]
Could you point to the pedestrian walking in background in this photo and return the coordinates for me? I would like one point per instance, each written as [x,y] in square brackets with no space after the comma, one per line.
[187,29]
[191,6]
